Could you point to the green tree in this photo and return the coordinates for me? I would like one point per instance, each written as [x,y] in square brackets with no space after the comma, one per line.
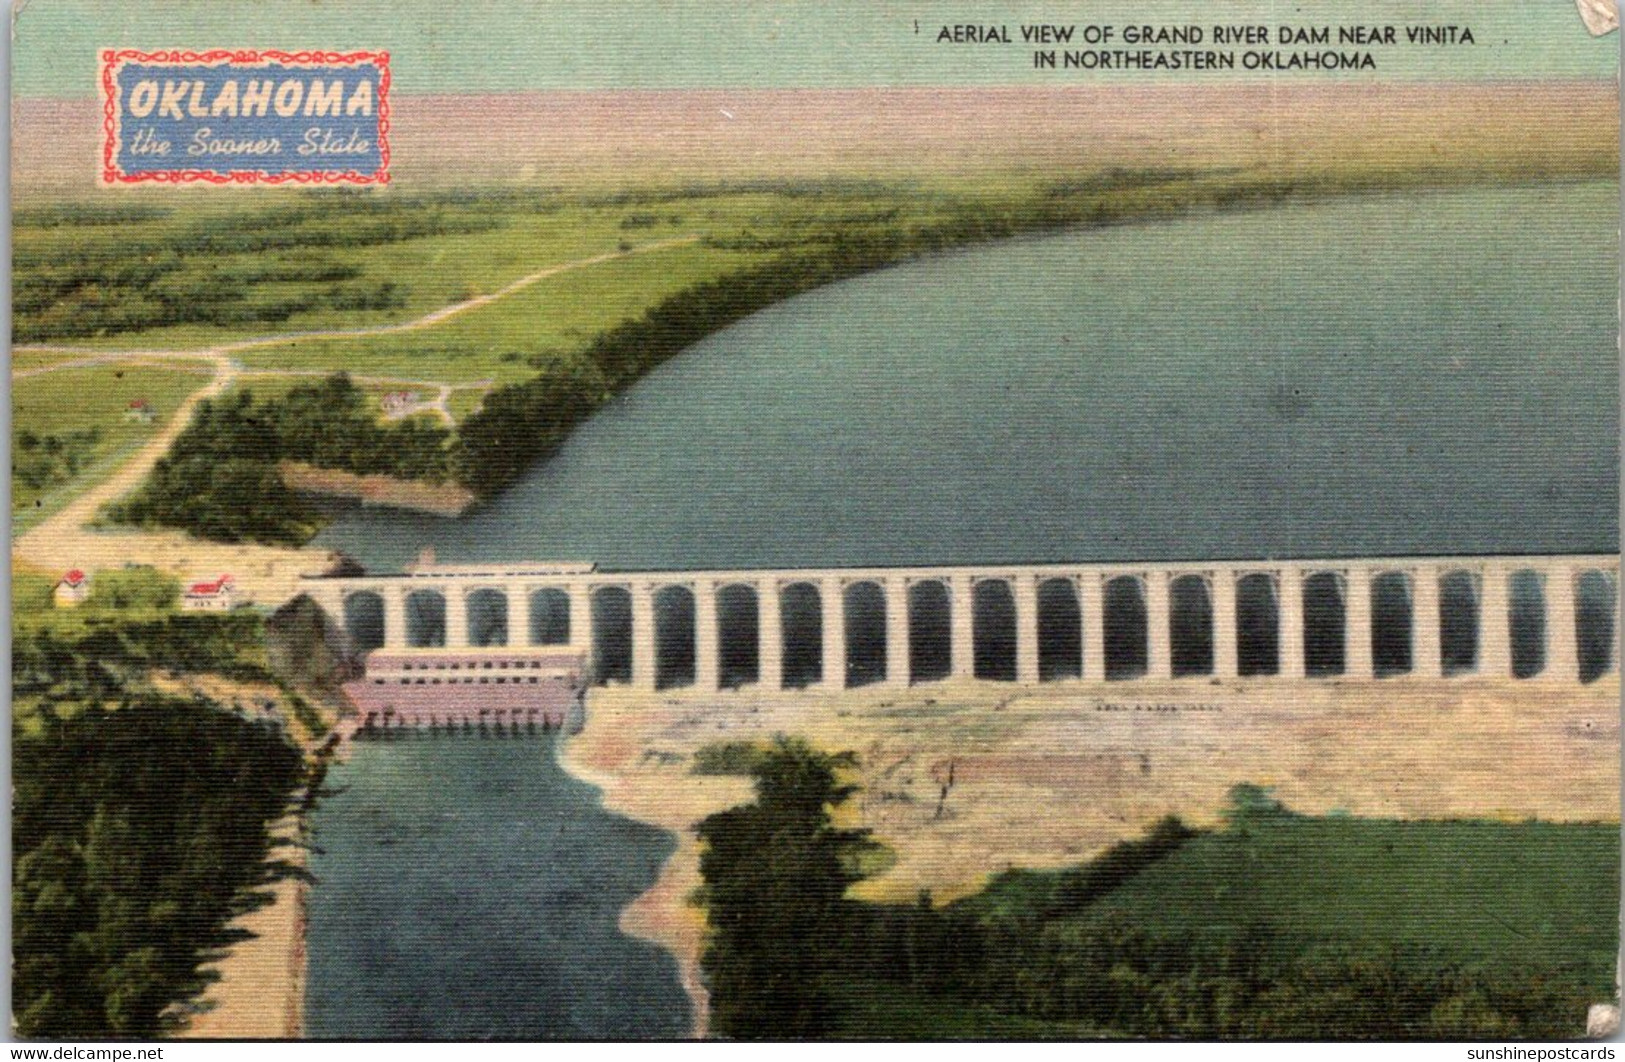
[776,872]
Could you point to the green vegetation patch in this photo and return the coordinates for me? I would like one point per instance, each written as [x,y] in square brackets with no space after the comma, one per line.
[70,426]
[1277,926]
[138,833]
[221,479]
[1533,894]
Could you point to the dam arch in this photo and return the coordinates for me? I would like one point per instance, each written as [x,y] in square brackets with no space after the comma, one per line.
[487,617]
[549,617]
[1190,625]
[1060,630]
[930,631]
[865,605]
[1127,628]
[738,636]
[801,612]
[1595,596]
[364,621]
[1325,625]
[675,651]
[1392,623]
[610,616]
[993,630]
[1460,625]
[1258,625]
[1526,621]
[425,619]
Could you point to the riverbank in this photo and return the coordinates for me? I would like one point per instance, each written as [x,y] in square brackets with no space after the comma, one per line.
[413,495]
[259,993]
[964,780]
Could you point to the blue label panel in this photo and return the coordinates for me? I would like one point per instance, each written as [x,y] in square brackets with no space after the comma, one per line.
[266,118]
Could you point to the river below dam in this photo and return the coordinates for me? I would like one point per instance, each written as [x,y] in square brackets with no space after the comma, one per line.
[470,888]
[1420,373]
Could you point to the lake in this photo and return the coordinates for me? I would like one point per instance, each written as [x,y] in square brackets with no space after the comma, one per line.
[1420,373]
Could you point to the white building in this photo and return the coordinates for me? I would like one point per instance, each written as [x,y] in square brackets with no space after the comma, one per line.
[71,589]
[213,596]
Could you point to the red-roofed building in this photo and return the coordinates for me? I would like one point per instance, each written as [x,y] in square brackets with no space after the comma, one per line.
[213,596]
[139,411]
[71,589]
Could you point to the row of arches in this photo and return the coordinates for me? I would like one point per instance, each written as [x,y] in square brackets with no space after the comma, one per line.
[1126,628]
[487,618]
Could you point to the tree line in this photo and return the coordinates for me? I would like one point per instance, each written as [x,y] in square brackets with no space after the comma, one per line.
[140,820]
[786,940]
[220,479]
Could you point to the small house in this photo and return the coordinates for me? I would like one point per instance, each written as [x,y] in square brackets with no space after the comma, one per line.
[71,589]
[139,411]
[395,403]
[213,596]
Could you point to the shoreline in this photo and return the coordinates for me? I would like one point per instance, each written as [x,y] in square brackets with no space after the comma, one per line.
[268,965]
[1050,776]
[390,492]
[660,915]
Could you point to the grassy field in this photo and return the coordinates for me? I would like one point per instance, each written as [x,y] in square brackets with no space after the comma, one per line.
[1507,895]
[322,262]
[508,340]
[77,416]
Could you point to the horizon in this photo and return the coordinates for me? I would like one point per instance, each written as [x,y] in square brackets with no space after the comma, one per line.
[656,44]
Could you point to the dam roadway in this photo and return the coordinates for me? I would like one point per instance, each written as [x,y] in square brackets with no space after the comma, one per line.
[529,627]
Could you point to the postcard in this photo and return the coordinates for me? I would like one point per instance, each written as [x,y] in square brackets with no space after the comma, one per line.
[1083,520]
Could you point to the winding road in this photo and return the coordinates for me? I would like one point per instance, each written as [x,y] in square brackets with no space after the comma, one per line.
[64,540]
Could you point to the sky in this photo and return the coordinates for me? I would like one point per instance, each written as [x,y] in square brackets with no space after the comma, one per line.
[477,46]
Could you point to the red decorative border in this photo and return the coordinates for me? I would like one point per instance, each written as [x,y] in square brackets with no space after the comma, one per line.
[113,58]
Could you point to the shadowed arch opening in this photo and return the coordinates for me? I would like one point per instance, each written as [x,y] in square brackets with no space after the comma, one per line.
[1060,631]
[1458,622]
[364,621]
[1594,595]
[865,606]
[674,637]
[738,645]
[801,620]
[425,619]
[1125,630]
[1190,626]
[1258,625]
[610,611]
[993,631]
[1391,624]
[1526,622]
[549,617]
[1324,625]
[487,617]
[930,648]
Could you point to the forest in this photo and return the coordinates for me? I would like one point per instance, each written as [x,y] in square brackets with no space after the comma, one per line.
[1126,944]
[139,818]
[221,481]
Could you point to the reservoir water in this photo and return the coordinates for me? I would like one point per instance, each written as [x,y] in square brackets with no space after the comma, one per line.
[469,888]
[1420,373]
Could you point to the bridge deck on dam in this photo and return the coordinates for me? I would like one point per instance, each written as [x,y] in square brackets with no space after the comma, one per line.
[1550,617]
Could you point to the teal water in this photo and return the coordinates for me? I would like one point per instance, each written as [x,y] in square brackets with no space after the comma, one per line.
[1428,373]
[469,888]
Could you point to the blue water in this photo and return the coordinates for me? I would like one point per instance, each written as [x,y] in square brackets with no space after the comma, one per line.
[470,888]
[1422,373]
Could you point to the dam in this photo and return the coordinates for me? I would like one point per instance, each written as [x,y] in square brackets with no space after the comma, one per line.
[518,638]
